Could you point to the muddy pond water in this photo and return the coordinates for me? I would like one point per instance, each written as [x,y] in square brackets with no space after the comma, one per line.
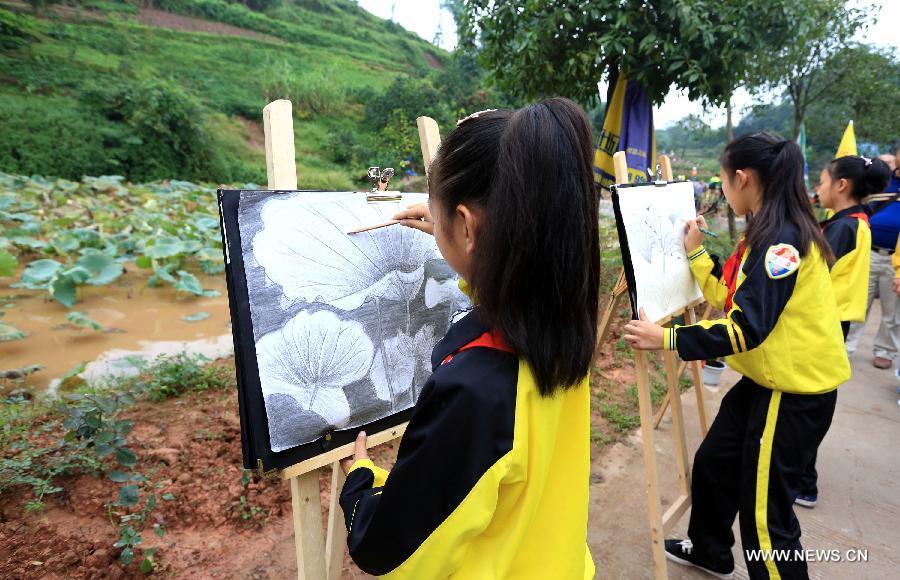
[139,320]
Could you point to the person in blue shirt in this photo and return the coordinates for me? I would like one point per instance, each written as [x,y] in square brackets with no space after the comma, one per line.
[894,183]
[884,210]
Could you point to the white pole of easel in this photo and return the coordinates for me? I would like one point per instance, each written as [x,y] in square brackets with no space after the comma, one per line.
[318,560]
[661,523]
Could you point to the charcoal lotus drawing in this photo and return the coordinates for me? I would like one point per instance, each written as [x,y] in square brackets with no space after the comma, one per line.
[343,325]
[651,221]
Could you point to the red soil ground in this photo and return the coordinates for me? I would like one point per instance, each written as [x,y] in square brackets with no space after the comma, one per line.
[190,447]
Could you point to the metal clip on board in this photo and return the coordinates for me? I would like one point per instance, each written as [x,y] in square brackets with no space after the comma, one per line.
[660,182]
[380,180]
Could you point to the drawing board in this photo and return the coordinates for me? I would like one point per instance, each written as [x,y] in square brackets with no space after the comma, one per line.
[333,331]
[651,220]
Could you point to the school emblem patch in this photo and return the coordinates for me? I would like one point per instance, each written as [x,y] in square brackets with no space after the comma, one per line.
[782,260]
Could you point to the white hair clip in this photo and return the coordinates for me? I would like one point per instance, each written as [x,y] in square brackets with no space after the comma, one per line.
[867,161]
[473,116]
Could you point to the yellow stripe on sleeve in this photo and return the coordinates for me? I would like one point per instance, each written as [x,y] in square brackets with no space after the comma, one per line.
[734,345]
[739,333]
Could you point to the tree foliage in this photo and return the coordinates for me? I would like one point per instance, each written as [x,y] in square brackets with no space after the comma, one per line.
[821,29]
[536,48]
[862,84]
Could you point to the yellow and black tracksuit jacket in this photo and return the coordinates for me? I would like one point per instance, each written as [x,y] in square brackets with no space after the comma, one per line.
[780,325]
[850,239]
[491,479]
[781,331]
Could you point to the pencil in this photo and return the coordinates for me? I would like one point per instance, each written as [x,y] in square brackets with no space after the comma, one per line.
[375,227]
[704,230]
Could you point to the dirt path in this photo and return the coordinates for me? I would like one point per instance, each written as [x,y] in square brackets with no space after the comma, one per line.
[255,137]
[163,19]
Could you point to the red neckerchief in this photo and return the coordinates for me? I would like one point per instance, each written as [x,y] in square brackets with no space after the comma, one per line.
[730,273]
[861,215]
[490,339]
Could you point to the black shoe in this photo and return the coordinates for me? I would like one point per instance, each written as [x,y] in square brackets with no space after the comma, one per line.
[682,552]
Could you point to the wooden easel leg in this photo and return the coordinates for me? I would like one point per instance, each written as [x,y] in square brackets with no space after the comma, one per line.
[653,500]
[336,539]
[683,502]
[605,322]
[681,454]
[690,316]
[306,510]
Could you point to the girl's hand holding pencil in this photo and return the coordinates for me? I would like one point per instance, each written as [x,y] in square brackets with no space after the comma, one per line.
[694,231]
[417,216]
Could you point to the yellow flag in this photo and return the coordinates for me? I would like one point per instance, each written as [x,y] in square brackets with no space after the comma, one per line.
[848,143]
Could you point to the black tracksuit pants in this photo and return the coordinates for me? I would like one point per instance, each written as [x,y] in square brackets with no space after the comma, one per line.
[751,462]
[810,478]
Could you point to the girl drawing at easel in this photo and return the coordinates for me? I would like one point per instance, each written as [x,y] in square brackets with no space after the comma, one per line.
[491,479]
[782,332]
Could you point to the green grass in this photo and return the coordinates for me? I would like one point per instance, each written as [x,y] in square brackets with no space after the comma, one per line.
[324,56]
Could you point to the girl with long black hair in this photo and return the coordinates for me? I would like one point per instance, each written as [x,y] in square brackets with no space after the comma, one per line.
[491,479]
[782,331]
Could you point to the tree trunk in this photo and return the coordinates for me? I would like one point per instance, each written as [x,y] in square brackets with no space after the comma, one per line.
[613,78]
[798,120]
[729,132]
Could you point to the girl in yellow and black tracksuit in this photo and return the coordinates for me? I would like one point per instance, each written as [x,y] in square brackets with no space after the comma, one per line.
[492,474]
[843,185]
[782,332]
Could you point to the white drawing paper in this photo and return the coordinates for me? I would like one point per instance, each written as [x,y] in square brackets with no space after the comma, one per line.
[343,324]
[654,219]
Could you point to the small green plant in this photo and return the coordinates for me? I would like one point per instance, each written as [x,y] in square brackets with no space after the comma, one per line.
[624,421]
[95,441]
[83,321]
[600,438]
[171,376]
[248,511]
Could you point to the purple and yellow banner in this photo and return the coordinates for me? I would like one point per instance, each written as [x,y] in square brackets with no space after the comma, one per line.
[628,127]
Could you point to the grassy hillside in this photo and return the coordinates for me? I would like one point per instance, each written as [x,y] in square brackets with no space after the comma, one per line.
[176,89]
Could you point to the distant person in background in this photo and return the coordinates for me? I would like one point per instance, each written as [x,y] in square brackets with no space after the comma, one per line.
[885,224]
[894,184]
[843,185]
[699,188]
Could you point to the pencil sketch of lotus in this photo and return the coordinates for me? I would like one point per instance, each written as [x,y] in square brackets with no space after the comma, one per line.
[423,344]
[437,292]
[304,248]
[311,359]
[655,222]
[395,366]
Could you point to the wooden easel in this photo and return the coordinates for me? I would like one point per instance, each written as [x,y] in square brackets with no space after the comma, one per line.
[661,523]
[318,559]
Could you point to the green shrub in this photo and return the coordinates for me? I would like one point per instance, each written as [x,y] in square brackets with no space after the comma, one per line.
[16,30]
[414,97]
[53,135]
[312,92]
[165,134]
